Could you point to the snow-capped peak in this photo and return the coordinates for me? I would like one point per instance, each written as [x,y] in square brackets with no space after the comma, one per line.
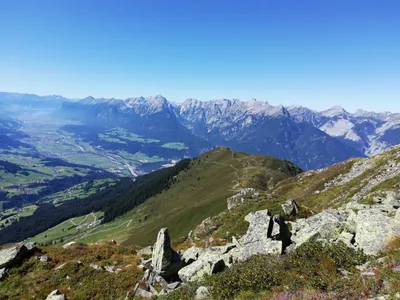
[334,111]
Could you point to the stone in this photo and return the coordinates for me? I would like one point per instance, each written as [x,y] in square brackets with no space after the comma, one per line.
[142,293]
[290,207]
[109,269]
[202,292]
[55,295]
[326,225]
[207,226]
[244,196]
[192,254]
[96,267]
[30,245]
[69,244]
[13,255]
[165,261]
[206,264]
[173,285]
[374,230]
[190,234]
[257,239]
[3,273]
[44,258]
[60,266]
[146,251]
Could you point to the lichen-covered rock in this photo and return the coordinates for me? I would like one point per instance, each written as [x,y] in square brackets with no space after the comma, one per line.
[192,254]
[326,225]
[146,251]
[55,295]
[257,239]
[202,292]
[44,258]
[374,230]
[206,264]
[165,261]
[290,207]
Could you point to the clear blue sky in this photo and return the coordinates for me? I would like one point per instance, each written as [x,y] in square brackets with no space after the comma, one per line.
[314,53]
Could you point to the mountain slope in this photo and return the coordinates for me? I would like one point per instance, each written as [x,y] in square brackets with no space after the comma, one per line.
[195,193]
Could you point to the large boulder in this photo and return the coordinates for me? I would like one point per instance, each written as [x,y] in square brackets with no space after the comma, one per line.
[290,207]
[55,295]
[207,264]
[206,226]
[257,239]
[3,273]
[165,261]
[327,225]
[374,230]
[13,255]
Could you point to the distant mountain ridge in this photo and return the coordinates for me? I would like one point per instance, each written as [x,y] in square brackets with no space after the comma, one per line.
[309,138]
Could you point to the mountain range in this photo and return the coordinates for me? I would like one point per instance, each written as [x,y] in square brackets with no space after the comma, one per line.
[309,138]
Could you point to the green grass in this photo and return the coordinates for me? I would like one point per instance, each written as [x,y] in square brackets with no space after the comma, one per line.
[175,145]
[67,230]
[197,193]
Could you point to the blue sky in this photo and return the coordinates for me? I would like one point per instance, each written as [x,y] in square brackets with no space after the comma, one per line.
[312,53]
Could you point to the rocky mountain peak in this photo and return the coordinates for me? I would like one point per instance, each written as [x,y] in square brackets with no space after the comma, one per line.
[335,111]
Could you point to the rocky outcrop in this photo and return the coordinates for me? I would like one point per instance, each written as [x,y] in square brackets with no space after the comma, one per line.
[146,251]
[245,195]
[13,255]
[206,227]
[3,273]
[205,261]
[374,229]
[55,295]
[290,207]
[165,261]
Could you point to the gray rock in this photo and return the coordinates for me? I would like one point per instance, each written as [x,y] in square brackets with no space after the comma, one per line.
[3,273]
[244,196]
[30,245]
[109,269]
[13,255]
[192,254]
[207,226]
[44,258]
[326,225]
[69,244]
[257,239]
[96,267]
[374,230]
[165,261]
[142,293]
[290,207]
[173,285]
[206,264]
[146,251]
[202,292]
[55,295]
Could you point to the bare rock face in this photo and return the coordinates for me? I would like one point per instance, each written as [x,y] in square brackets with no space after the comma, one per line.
[290,207]
[165,261]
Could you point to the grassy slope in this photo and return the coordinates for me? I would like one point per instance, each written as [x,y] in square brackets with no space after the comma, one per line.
[304,189]
[35,279]
[196,194]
